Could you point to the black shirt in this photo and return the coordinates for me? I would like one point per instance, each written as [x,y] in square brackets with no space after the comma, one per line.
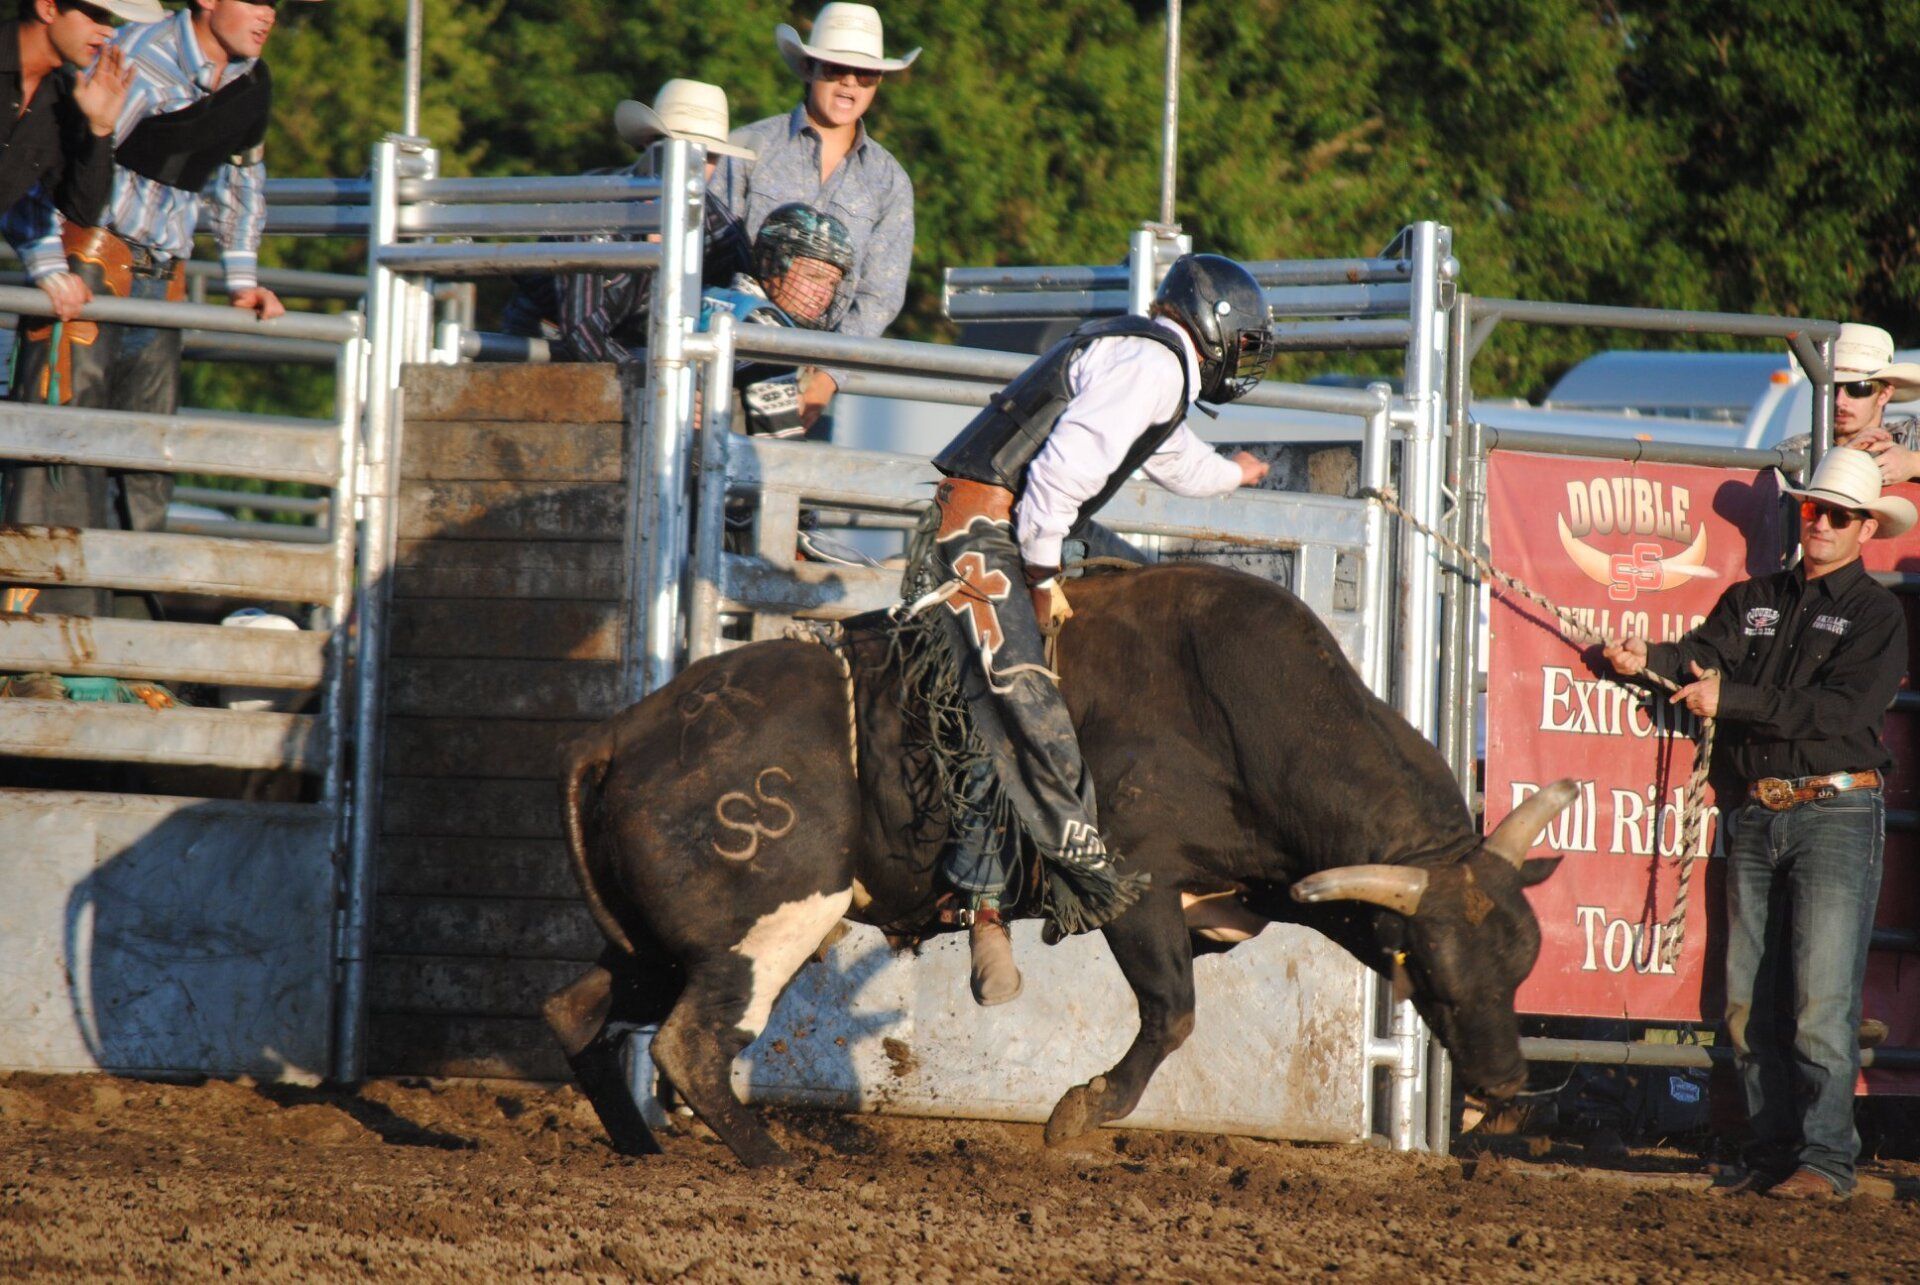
[52,144]
[1808,668]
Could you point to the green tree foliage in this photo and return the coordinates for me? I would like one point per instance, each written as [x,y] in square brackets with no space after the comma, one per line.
[1790,135]
[1719,153]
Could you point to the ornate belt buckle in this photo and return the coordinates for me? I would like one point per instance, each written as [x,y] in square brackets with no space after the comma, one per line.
[1775,793]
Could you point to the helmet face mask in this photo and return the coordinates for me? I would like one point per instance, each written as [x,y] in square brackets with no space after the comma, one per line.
[1221,307]
[799,254]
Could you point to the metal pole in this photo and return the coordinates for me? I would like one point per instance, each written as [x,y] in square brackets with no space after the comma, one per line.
[1374,591]
[363,816]
[709,515]
[1822,406]
[1170,117]
[658,520]
[410,101]
[1421,479]
[1143,272]
[347,403]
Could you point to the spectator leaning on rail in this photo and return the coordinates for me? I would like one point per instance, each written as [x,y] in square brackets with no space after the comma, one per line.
[1038,463]
[59,131]
[194,122]
[602,316]
[821,155]
[1865,378]
[1808,661]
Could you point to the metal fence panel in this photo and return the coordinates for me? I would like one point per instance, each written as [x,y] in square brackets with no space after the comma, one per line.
[144,934]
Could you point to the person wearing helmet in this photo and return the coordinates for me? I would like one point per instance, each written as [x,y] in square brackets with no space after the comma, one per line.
[1050,449]
[800,258]
[822,153]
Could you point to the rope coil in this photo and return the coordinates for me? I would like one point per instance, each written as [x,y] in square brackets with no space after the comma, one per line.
[1693,801]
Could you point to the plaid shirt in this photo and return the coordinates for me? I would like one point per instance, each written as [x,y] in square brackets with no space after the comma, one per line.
[868,192]
[602,316]
[169,72]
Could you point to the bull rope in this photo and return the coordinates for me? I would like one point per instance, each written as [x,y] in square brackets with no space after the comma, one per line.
[832,636]
[1692,804]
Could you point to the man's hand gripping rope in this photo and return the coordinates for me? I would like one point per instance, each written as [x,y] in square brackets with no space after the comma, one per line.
[1629,656]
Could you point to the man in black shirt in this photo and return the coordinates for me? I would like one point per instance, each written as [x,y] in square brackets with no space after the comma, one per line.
[59,131]
[1807,662]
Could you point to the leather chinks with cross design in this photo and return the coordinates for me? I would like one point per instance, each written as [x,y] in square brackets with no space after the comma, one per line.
[1017,711]
[1779,794]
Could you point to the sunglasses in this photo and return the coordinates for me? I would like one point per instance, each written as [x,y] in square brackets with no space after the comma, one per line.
[833,71]
[1837,518]
[1861,389]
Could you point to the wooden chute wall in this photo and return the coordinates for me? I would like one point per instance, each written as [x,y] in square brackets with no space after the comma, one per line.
[506,637]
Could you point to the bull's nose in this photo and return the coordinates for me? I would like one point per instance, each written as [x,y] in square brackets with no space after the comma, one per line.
[1508,1089]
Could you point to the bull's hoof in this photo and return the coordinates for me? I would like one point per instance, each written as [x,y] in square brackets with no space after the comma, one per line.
[637,1141]
[1074,1115]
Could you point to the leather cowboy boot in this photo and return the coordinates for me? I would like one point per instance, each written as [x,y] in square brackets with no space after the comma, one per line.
[996,980]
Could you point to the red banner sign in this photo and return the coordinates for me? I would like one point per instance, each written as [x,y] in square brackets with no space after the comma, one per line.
[1645,549]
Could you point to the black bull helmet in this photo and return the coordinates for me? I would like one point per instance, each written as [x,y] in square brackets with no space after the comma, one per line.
[1447,916]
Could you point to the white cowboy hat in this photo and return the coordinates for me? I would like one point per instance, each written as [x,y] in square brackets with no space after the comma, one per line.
[1866,352]
[132,10]
[690,110]
[848,35]
[1850,479]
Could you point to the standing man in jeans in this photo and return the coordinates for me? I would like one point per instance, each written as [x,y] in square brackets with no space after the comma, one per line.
[1807,662]
[194,124]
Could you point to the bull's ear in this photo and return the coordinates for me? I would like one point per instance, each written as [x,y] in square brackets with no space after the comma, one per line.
[1538,870]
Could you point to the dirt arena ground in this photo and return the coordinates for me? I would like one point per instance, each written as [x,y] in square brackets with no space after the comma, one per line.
[105,1178]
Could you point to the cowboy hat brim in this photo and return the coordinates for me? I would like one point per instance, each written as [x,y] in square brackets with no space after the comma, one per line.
[640,127]
[1895,513]
[798,54]
[142,11]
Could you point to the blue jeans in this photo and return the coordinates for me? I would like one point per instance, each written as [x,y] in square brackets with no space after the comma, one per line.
[1801,891]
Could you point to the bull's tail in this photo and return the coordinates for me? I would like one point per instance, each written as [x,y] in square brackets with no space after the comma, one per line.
[583,765]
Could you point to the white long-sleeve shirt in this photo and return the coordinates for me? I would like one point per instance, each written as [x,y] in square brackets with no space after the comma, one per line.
[1120,387]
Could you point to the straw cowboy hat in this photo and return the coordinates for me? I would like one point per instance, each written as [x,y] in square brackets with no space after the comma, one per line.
[133,10]
[848,35]
[690,110]
[1850,479]
[1866,352]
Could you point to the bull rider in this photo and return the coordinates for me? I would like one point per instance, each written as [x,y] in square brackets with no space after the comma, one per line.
[1050,449]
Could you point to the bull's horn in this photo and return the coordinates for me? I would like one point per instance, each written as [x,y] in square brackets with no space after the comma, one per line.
[1395,887]
[1513,836]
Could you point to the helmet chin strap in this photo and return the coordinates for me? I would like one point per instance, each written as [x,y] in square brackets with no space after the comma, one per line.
[1205,409]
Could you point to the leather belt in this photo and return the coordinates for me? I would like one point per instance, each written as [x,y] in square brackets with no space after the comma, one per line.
[1779,793]
[147,261]
[961,501]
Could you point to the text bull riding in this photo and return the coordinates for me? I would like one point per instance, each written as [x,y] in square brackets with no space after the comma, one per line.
[935,767]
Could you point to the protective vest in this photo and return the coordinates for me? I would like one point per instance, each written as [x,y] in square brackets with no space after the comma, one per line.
[183,148]
[1002,440]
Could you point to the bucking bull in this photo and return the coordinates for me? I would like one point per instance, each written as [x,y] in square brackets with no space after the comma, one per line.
[724,826]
